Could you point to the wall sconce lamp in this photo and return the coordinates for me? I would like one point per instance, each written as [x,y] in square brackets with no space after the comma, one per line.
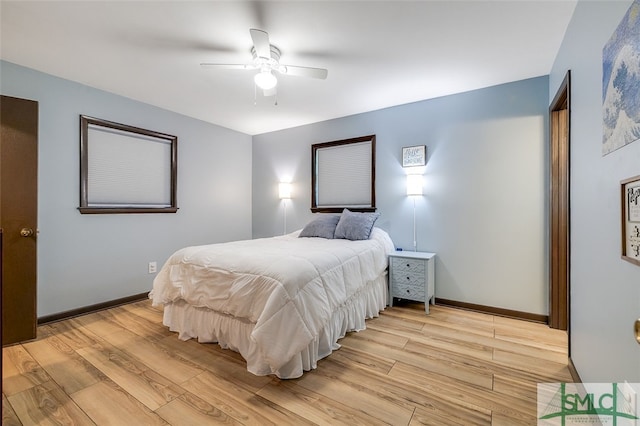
[284,192]
[414,185]
[414,189]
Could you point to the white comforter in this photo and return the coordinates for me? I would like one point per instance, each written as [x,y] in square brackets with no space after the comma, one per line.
[288,287]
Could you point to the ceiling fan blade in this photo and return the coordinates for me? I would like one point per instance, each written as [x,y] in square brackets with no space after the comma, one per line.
[261,43]
[320,73]
[228,66]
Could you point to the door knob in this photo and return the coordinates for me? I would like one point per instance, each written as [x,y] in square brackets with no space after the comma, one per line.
[637,330]
[26,232]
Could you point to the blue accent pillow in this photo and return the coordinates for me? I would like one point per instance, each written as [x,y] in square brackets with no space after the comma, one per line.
[355,226]
[323,227]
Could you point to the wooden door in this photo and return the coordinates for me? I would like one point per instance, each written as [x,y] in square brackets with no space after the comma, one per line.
[559,217]
[18,217]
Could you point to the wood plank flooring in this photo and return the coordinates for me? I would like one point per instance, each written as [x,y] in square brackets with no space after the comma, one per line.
[123,367]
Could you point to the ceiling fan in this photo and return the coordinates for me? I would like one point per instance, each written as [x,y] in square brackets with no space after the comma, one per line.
[266,59]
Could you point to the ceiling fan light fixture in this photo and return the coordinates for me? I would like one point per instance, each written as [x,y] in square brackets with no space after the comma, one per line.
[265,80]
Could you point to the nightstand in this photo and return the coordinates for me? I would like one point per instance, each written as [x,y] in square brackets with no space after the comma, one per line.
[412,277]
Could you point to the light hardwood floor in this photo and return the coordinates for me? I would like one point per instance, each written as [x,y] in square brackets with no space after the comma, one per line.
[123,367]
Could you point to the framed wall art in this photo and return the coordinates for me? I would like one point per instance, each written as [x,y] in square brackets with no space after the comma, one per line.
[413,156]
[630,196]
[621,84]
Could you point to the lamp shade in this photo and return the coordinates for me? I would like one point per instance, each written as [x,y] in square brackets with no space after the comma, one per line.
[284,190]
[265,80]
[414,184]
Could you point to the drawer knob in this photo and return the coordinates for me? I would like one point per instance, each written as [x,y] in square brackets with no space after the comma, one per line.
[408,278]
[408,265]
[408,291]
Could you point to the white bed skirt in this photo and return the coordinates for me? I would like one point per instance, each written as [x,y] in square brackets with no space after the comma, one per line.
[232,333]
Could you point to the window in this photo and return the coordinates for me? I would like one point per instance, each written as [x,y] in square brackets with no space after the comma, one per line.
[125,169]
[343,175]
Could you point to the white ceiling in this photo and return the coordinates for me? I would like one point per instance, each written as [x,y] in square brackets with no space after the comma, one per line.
[378,53]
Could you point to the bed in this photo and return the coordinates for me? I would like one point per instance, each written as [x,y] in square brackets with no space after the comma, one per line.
[282,302]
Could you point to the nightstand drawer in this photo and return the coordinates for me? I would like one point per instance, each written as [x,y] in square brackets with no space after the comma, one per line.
[409,287]
[404,265]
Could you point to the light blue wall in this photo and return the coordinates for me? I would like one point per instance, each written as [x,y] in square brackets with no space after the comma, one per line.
[89,259]
[605,290]
[484,206]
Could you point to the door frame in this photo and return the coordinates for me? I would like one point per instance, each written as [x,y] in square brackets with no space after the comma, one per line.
[559,207]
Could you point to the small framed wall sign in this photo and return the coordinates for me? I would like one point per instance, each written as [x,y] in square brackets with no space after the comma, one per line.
[414,156]
[630,196]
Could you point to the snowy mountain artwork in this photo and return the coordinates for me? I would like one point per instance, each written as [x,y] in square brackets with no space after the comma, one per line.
[621,83]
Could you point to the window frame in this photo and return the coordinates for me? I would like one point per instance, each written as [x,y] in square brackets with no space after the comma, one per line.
[127,131]
[315,149]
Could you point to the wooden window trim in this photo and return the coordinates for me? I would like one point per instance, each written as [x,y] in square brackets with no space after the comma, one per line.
[314,181]
[85,208]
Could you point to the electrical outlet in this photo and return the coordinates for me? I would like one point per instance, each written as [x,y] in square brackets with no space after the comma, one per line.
[629,394]
[153,267]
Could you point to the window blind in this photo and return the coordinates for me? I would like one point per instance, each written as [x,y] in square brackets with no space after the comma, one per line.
[344,175]
[126,171]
